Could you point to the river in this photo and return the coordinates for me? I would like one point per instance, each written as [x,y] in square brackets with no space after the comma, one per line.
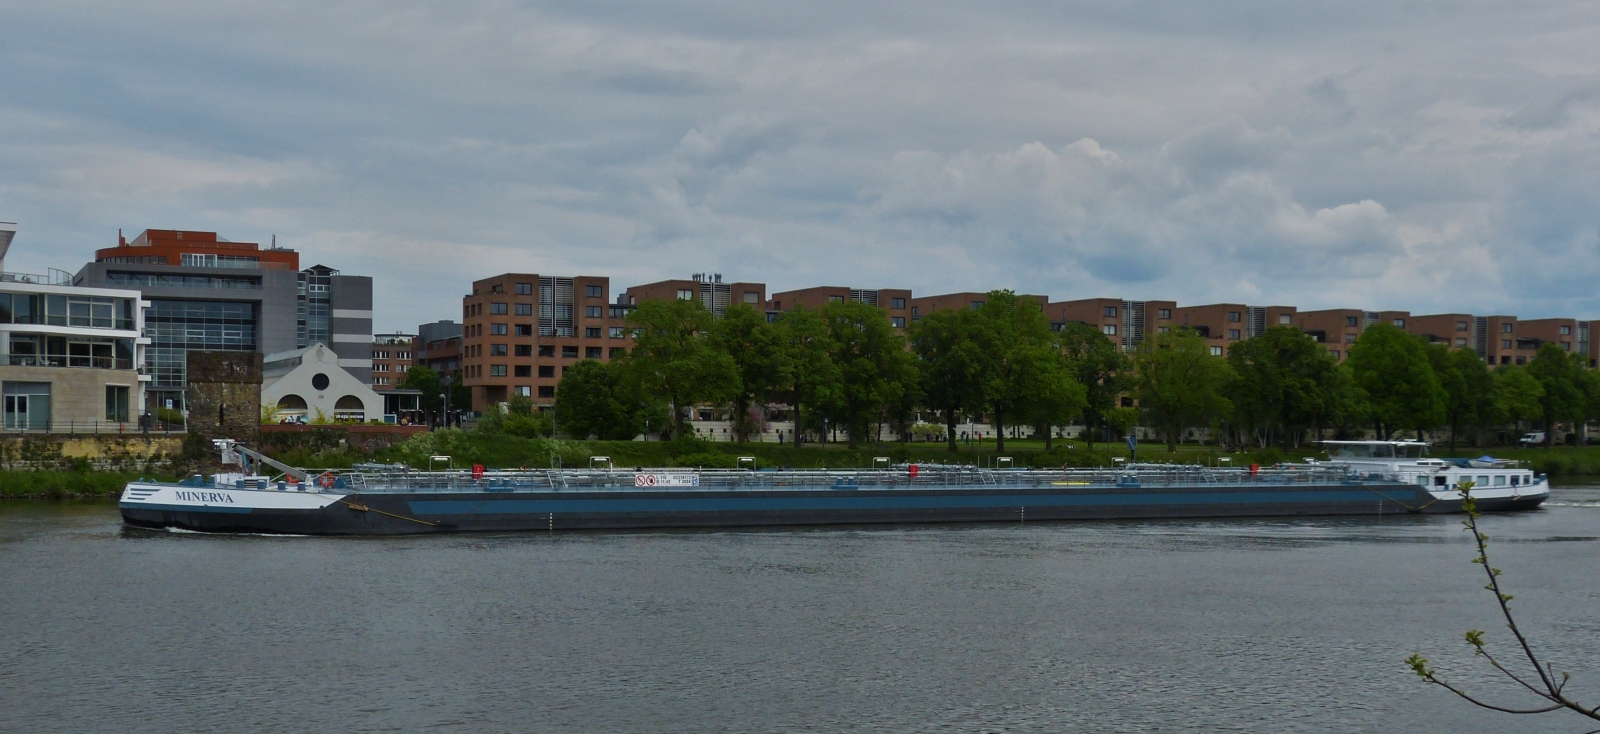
[1236,626]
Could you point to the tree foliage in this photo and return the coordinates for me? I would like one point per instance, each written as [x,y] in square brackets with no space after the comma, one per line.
[871,368]
[949,366]
[1402,392]
[600,400]
[1179,384]
[674,361]
[1102,369]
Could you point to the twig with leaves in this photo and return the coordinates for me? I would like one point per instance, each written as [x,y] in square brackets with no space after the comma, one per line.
[1549,686]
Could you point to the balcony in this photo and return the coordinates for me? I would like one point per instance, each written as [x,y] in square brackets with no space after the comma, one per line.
[61,360]
[53,277]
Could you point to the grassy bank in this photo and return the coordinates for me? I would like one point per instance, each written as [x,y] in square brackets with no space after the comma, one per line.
[62,484]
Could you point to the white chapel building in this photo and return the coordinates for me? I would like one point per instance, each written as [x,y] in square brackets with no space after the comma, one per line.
[305,384]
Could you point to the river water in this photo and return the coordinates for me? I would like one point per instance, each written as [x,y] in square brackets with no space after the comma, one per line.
[1216,626]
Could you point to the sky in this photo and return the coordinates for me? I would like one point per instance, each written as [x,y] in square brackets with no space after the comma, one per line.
[1422,156]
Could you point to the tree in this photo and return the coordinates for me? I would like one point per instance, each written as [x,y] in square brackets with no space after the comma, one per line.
[674,361]
[1179,385]
[1543,683]
[1055,399]
[1282,381]
[597,399]
[873,370]
[1392,368]
[1020,365]
[516,417]
[948,364]
[805,369]
[744,334]
[1468,386]
[1560,374]
[1099,365]
[428,383]
[1517,394]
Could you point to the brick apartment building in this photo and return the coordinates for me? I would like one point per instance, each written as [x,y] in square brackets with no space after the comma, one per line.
[923,306]
[708,288]
[1126,323]
[1223,324]
[521,331]
[896,301]
[438,347]
[392,355]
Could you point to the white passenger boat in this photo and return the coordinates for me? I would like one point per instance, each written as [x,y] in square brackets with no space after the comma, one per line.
[1497,484]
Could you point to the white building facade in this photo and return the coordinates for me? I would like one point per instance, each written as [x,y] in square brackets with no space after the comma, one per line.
[309,385]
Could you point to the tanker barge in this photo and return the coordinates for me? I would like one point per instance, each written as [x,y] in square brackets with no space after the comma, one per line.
[1361,478]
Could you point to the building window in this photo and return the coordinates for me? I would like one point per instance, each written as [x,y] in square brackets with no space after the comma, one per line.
[524,350]
[497,288]
[593,291]
[497,370]
[1461,326]
[522,370]
[524,309]
[569,352]
[618,352]
[547,350]
[835,299]
[1109,329]
[1400,323]
[1505,328]
[547,391]
[1352,321]
[524,289]
[1566,331]
[592,352]
[1216,351]
[1234,317]
[117,403]
[1163,329]
[1349,338]
[497,329]
[1566,346]
[403,356]
[977,305]
[524,329]
[1461,341]
[1505,343]
[1110,311]
[593,312]
[616,332]
[591,332]
[522,391]
[1335,353]
[1283,319]
[546,370]
[497,309]
[752,297]
[498,350]
[1233,333]
[1522,360]
[684,294]
[898,322]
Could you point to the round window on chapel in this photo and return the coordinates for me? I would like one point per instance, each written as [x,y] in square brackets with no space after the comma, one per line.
[319,381]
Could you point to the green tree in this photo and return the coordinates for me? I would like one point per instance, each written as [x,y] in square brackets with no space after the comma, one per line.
[1179,384]
[1056,398]
[1100,366]
[1282,382]
[1393,369]
[753,344]
[597,399]
[1517,394]
[805,369]
[428,383]
[1560,374]
[1021,365]
[873,368]
[1468,388]
[674,361]
[516,417]
[948,363]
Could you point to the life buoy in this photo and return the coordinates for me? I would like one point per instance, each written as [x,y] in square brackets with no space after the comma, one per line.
[326,480]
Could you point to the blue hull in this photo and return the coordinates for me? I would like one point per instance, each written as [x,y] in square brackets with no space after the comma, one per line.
[550,510]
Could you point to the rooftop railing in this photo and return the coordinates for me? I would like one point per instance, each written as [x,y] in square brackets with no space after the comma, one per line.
[52,277]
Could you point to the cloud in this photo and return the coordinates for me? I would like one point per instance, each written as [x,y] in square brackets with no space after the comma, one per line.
[1376,155]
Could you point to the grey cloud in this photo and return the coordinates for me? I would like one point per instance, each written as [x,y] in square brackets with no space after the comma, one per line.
[1379,155]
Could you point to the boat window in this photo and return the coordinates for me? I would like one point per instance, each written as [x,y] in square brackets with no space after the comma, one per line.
[1483,481]
[1500,481]
[1438,481]
[1422,481]
[1515,479]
